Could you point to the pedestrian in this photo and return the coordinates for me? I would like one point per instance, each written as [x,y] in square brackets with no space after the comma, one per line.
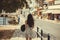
[29,24]
[18,19]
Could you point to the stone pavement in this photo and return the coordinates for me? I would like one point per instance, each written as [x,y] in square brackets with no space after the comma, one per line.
[6,34]
[47,27]
[19,35]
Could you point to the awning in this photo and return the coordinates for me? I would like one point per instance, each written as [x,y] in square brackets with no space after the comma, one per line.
[55,11]
[46,11]
[54,7]
[51,11]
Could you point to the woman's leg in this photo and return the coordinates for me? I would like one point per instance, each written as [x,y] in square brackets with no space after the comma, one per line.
[30,38]
[26,37]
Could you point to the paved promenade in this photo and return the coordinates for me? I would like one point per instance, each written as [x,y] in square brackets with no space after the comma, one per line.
[46,26]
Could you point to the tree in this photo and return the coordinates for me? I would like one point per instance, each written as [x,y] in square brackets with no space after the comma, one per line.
[12,5]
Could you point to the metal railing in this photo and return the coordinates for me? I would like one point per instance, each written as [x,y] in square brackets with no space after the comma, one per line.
[41,35]
[2,21]
[5,20]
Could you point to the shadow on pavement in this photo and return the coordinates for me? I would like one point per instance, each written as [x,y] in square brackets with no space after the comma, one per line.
[19,33]
[6,34]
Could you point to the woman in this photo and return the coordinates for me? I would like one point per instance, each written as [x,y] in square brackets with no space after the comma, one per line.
[29,27]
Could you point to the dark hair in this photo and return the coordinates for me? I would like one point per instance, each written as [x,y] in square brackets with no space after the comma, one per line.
[30,20]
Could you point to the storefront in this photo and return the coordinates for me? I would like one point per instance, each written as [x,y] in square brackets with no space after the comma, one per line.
[52,14]
[56,16]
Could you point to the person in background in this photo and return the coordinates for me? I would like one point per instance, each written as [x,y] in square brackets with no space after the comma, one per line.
[29,24]
[18,19]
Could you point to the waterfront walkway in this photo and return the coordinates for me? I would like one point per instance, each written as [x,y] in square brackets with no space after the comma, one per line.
[46,26]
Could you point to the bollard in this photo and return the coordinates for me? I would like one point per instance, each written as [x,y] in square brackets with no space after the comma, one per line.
[37,31]
[41,38]
[48,37]
[41,34]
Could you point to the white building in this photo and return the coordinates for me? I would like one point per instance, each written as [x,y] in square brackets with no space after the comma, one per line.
[53,11]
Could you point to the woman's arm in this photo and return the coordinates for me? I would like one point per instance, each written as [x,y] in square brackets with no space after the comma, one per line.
[25,22]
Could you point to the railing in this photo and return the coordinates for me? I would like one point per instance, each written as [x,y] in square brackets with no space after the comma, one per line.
[41,35]
[2,21]
[5,21]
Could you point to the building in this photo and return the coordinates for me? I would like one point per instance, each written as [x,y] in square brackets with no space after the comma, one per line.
[50,2]
[52,11]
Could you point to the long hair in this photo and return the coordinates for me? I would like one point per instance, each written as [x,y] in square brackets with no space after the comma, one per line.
[30,20]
